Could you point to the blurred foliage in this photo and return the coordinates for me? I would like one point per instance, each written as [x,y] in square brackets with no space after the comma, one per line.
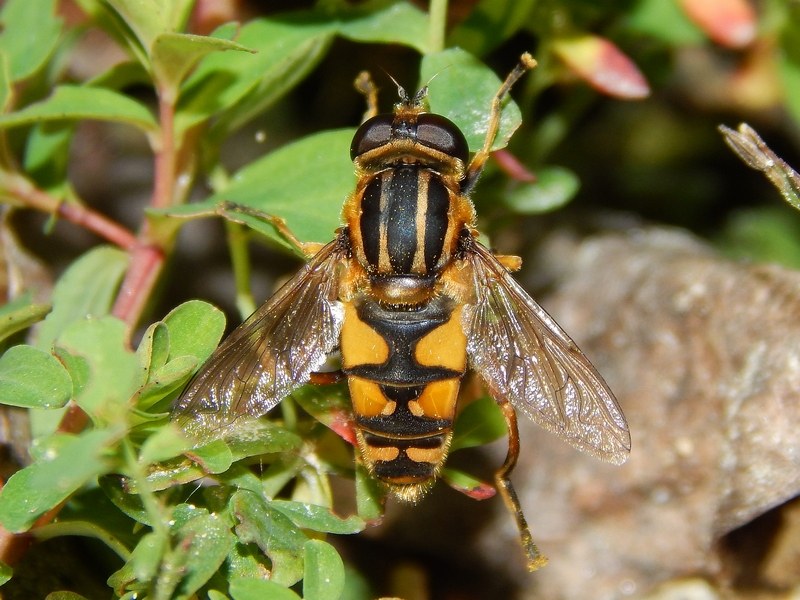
[231,105]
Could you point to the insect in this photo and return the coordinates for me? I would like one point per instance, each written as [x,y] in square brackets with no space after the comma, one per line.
[412,299]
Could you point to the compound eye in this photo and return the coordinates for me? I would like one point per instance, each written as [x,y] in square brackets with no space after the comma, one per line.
[440,133]
[373,133]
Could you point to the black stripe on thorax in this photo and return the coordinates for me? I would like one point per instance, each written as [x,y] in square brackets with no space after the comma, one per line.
[404,220]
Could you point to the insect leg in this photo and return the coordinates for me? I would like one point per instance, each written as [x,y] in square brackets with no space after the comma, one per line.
[475,167]
[536,560]
[326,377]
[366,86]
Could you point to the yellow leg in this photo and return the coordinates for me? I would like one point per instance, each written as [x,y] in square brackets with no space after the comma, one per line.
[525,63]
[308,249]
[535,559]
[366,86]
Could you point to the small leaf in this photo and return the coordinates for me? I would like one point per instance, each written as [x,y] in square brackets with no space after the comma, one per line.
[271,531]
[153,349]
[87,287]
[173,55]
[165,443]
[6,88]
[258,437]
[479,423]
[730,23]
[462,88]
[6,573]
[130,504]
[195,329]
[393,23]
[467,484]
[323,577]
[47,154]
[318,518]
[148,18]
[259,589]
[77,103]
[166,380]
[19,314]
[34,490]
[553,188]
[370,496]
[33,379]
[214,457]
[148,554]
[209,540]
[603,66]
[238,86]
[114,373]
[29,32]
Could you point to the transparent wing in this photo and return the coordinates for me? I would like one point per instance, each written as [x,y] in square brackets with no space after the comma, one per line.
[273,352]
[526,358]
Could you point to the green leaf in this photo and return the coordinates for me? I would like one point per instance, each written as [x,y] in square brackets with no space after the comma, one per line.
[34,490]
[32,378]
[286,183]
[77,103]
[19,314]
[553,188]
[467,484]
[166,380]
[165,443]
[29,32]
[489,24]
[259,589]
[370,495]
[209,540]
[238,86]
[64,595]
[148,18]
[479,423]
[318,518]
[87,287]
[153,349]
[114,373]
[6,88]
[323,577]
[273,532]
[130,504]
[6,573]
[214,457]
[195,329]
[386,23]
[47,154]
[664,21]
[175,54]
[766,234]
[258,437]
[148,554]
[461,88]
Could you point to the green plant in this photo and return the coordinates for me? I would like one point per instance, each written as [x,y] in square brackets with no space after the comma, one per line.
[107,460]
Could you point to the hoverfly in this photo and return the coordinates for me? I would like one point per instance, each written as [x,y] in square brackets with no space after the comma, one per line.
[411,299]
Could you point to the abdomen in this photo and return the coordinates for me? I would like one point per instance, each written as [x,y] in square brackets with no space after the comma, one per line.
[404,367]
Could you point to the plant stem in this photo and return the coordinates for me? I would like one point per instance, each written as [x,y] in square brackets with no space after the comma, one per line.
[24,192]
[437,25]
[148,254]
